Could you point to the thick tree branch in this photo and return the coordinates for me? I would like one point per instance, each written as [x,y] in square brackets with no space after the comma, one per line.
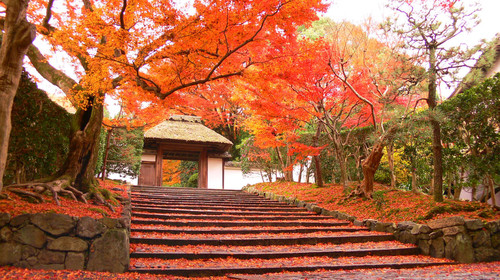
[50,73]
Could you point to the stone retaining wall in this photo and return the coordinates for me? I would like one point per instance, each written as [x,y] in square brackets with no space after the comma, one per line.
[454,238]
[58,241]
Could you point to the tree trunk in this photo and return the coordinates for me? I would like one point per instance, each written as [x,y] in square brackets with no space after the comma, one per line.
[106,152]
[390,159]
[18,34]
[414,185]
[437,148]
[371,163]
[491,185]
[80,164]
[339,152]
[317,162]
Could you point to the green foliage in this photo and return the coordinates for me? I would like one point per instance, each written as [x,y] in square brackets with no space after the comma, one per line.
[192,181]
[188,170]
[471,129]
[124,151]
[39,138]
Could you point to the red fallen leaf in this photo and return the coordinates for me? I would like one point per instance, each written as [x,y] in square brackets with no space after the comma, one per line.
[397,206]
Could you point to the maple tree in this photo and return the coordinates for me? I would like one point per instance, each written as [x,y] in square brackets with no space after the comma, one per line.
[338,82]
[427,27]
[144,51]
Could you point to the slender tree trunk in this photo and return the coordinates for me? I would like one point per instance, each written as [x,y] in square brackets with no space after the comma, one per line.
[79,167]
[390,159]
[300,173]
[491,185]
[106,152]
[17,36]
[414,184]
[437,148]
[339,152]
[317,162]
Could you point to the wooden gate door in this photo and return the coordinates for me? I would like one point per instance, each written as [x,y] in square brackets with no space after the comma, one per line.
[147,174]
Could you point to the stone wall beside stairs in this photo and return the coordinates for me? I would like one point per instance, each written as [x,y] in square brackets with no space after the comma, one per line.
[454,238]
[58,241]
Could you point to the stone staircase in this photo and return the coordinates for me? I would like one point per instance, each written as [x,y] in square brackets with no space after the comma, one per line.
[200,232]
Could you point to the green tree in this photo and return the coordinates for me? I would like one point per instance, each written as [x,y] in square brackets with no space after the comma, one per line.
[427,27]
[471,128]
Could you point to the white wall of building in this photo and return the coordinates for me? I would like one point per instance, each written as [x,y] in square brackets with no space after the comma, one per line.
[215,175]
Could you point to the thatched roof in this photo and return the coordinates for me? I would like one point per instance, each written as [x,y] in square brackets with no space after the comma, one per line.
[186,129]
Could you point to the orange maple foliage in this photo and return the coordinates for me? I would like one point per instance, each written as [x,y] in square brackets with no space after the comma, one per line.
[171,173]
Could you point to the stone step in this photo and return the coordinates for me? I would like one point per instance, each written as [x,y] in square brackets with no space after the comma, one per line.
[275,255]
[222,216]
[304,212]
[215,199]
[215,267]
[160,207]
[239,223]
[196,204]
[250,231]
[336,239]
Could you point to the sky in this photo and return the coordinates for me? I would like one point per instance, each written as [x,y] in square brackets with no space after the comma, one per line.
[357,11]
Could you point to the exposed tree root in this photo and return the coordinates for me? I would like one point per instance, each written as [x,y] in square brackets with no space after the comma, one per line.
[57,187]
[22,192]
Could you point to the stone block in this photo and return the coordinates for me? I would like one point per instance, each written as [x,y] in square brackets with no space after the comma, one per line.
[384,227]
[437,248]
[74,261]
[486,254]
[109,222]
[424,246]
[419,228]
[436,234]
[474,224]
[89,228]
[32,261]
[51,257]
[5,234]
[454,230]
[20,220]
[68,243]
[493,226]
[52,223]
[481,238]
[464,251]
[28,252]
[406,225]
[10,253]
[446,222]
[4,219]
[30,235]
[110,252]
[358,223]
[495,240]
[406,237]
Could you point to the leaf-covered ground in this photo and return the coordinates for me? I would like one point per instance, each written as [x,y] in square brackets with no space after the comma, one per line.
[16,205]
[484,271]
[387,205]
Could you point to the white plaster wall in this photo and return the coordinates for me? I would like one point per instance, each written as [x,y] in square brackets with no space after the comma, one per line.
[234,179]
[148,158]
[214,173]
